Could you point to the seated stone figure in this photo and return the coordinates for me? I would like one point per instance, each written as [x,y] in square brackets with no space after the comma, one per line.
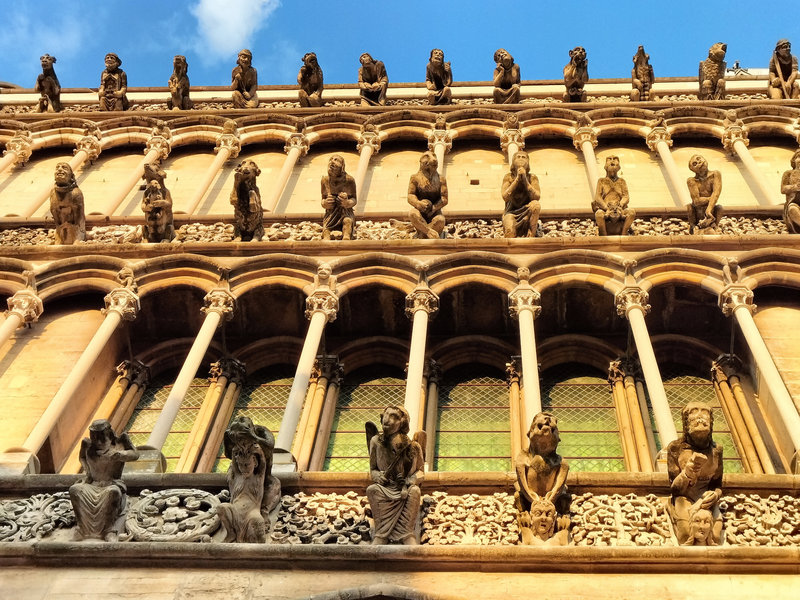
[712,73]
[99,499]
[704,188]
[338,199]
[372,81]
[246,200]
[427,195]
[395,465]
[438,78]
[521,194]
[610,204]
[309,78]
[255,492]
[541,484]
[790,186]
[179,85]
[113,85]
[506,78]
[576,75]
[694,464]
[48,86]
[642,77]
[783,73]
[66,206]
[157,206]
[244,81]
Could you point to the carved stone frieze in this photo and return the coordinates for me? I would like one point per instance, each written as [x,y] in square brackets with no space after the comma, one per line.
[617,520]
[340,519]
[35,517]
[751,520]
[123,301]
[174,515]
[469,519]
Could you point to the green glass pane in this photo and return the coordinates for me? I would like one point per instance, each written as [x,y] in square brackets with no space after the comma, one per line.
[473,464]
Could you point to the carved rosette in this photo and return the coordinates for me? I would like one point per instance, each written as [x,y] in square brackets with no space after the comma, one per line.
[89,143]
[35,517]
[229,142]
[616,520]
[656,135]
[733,133]
[442,137]
[323,300]
[630,298]
[469,519]
[371,139]
[421,299]
[177,515]
[584,134]
[524,297]
[21,145]
[124,302]
[734,296]
[512,136]
[297,141]
[27,305]
[219,301]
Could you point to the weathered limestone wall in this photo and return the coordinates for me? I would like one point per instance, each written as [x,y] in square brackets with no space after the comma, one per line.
[778,326]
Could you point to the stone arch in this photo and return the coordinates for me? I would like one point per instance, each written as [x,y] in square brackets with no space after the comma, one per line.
[287,270]
[389,270]
[171,354]
[685,266]
[127,130]
[78,274]
[770,266]
[577,348]
[578,267]
[270,351]
[63,131]
[487,268]
[685,350]
[467,349]
[157,274]
[378,349]
[12,278]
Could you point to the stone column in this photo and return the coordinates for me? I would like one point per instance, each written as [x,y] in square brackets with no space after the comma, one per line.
[321,308]
[440,141]
[87,148]
[737,300]
[512,141]
[23,307]
[18,150]
[616,377]
[518,427]
[328,366]
[121,304]
[228,146]
[421,304]
[632,303]
[158,147]
[219,303]
[735,141]
[432,412]
[369,143]
[227,376]
[296,146]
[585,140]
[524,305]
[659,140]
[323,436]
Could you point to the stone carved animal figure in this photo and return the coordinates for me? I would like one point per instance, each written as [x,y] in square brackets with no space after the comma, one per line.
[712,73]
[309,78]
[179,85]
[642,76]
[576,74]
[48,86]
[246,201]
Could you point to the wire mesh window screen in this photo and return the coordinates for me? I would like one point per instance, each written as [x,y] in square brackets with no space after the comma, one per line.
[149,408]
[474,427]
[684,384]
[263,399]
[581,399]
[363,396]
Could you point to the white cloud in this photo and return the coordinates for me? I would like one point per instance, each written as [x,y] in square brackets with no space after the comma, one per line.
[226,26]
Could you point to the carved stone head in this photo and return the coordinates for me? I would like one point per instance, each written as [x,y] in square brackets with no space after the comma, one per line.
[310,60]
[717,52]
[366,58]
[612,166]
[543,519]
[698,164]
[101,435]
[502,57]
[47,62]
[245,58]
[520,160]
[180,65]
[428,163]
[701,528]
[641,57]
[437,56]
[698,424]
[577,56]
[336,165]
[64,175]
[543,434]
[249,170]
[795,160]
[395,420]
[113,62]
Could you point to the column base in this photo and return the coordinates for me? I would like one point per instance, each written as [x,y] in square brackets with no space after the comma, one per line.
[19,462]
[283,462]
[150,461]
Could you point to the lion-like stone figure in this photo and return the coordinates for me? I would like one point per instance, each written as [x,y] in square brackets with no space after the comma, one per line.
[157,207]
[783,73]
[66,206]
[576,75]
[694,465]
[246,200]
[179,85]
[790,187]
[642,76]
[48,86]
[712,73]
[309,78]
[255,492]
[541,483]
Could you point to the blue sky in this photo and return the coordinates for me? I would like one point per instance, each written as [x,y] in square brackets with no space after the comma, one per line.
[148,33]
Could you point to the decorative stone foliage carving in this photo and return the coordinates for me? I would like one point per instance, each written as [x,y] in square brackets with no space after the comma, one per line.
[35,517]
[174,515]
[339,519]
[751,520]
[617,520]
[21,145]
[469,519]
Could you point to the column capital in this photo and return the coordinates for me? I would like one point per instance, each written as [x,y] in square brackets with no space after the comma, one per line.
[616,371]
[732,133]
[219,300]
[135,371]
[734,296]
[21,145]
[512,136]
[160,140]
[656,135]
[631,297]
[432,371]
[298,141]
[327,364]
[442,137]
[371,139]
[323,300]
[725,366]
[230,368]
[524,297]
[26,304]
[421,298]
[89,143]
[584,134]
[229,140]
[123,301]
[513,371]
